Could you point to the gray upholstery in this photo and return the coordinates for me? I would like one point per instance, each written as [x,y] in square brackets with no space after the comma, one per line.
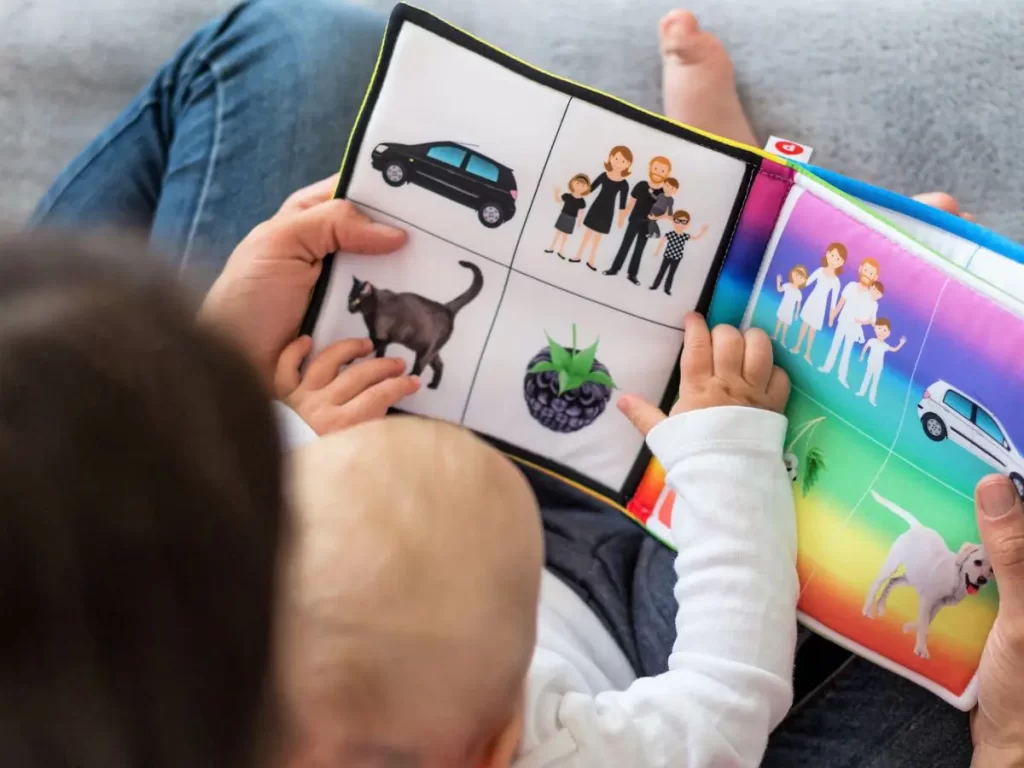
[913,95]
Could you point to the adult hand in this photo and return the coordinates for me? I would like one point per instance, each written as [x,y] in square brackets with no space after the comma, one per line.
[262,294]
[997,725]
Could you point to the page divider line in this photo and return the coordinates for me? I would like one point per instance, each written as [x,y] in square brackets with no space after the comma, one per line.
[508,274]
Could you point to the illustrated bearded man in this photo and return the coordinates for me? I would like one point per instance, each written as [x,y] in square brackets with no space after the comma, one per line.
[641,200]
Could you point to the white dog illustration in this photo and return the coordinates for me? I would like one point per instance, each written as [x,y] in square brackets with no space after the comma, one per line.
[939,577]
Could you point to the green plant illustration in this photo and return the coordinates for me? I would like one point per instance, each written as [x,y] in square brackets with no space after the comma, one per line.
[813,463]
[575,367]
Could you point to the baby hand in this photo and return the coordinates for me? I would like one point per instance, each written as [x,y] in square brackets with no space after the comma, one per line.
[329,399]
[718,368]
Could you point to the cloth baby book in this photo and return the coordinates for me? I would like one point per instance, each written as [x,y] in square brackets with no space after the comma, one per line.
[557,238]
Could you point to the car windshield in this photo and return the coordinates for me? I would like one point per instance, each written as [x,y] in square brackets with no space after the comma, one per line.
[447,155]
[988,425]
[959,403]
[482,168]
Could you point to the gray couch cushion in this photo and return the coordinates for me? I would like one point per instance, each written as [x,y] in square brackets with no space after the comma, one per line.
[913,95]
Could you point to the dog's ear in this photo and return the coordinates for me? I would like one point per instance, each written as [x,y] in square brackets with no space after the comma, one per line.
[966,550]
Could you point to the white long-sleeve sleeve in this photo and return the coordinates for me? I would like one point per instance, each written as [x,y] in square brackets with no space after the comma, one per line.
[730,670]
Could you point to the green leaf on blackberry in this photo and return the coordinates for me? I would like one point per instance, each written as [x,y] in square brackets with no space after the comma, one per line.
[563,382]
[543,367]
[600,377]
[583,362]
[560,356]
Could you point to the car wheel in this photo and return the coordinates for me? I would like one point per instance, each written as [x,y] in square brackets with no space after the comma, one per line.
[491,215]
[1018,483]
[934,429]
[394,174]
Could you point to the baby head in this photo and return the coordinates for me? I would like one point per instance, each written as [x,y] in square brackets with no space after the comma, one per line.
[141,492]
[579,185]
[410,598]
[680,221]
[877,290]
[883,328]
[671,186]
[798,276]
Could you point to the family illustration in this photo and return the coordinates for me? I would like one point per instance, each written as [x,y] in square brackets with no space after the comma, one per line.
[639,211]
[848,310]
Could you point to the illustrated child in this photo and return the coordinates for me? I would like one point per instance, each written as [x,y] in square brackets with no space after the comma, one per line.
[875,349]
[664,205]
[825,280]
[876,292]
[789,307]
[671,249]
[854,309]
[572,211]
[420,627]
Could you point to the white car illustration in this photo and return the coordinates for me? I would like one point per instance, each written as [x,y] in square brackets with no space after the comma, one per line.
[945,411]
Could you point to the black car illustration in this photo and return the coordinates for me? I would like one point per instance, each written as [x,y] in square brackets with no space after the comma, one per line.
[453,171]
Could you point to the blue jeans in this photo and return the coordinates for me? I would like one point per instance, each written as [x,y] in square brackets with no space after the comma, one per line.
[259,103]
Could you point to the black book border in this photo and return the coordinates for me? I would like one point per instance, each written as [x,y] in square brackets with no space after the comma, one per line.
[403,13]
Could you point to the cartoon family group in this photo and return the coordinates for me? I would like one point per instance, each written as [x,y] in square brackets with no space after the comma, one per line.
[650,201]
[848,311]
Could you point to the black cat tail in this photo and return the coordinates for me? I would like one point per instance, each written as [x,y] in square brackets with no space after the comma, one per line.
[474,290]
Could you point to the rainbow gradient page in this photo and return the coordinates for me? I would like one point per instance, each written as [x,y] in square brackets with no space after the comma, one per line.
[904,375]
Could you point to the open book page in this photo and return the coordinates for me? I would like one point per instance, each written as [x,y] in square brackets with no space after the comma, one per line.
[555,246]
[904,387]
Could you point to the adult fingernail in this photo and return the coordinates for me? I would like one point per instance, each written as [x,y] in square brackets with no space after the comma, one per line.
[997,498]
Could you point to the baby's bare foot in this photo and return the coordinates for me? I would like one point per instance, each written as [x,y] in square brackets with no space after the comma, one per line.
[698,80]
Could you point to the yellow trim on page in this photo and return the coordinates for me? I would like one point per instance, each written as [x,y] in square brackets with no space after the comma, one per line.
[362,106]
[706,134]
[714,137]
[578,486]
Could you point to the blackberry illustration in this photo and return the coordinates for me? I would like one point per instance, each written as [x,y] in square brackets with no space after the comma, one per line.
[567,389]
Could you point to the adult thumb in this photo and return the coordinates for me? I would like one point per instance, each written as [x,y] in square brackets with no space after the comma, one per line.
[1001,525]
[335,225]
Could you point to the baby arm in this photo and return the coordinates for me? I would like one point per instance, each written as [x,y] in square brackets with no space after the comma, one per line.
[699,235]
[558,196]
[661,246]
[338,389]
[778,283]
[728,682]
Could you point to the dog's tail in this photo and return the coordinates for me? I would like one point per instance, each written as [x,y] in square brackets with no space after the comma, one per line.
[908,518]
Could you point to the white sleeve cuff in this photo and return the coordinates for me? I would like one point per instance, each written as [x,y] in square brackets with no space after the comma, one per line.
[750,429]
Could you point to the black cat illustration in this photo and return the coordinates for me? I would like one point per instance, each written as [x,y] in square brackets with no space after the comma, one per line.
[421,324]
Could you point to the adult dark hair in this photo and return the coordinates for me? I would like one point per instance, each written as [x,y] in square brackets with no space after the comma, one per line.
[142,511]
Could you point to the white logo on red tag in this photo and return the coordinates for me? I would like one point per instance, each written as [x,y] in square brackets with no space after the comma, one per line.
[789,149]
